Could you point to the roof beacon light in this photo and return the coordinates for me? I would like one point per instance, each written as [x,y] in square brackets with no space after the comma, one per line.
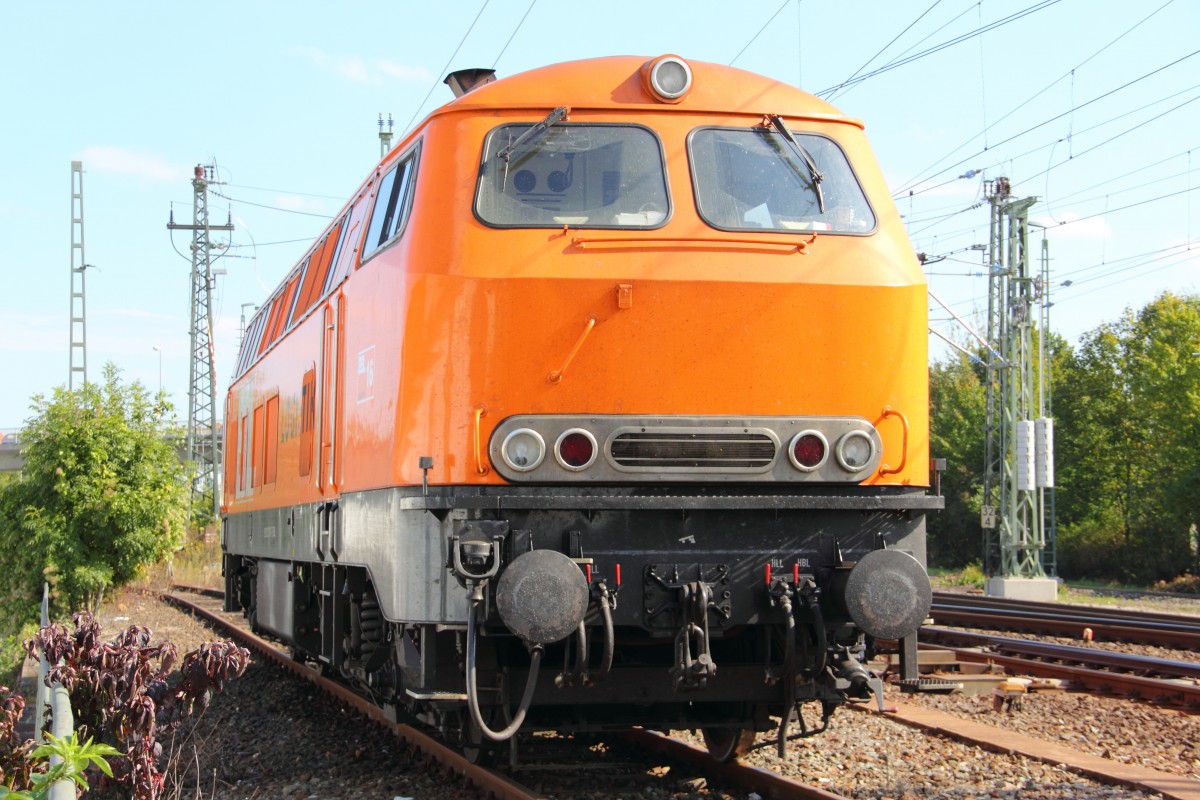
[669,78]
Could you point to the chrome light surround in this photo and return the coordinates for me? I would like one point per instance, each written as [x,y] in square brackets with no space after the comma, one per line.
[558,449]
[850,454]
[687,449]
[791,450]
[522,462]
[669,78]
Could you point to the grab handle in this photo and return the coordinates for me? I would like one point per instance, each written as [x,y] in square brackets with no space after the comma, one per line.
[888,411]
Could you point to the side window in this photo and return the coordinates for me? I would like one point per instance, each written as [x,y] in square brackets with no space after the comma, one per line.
[280,310]
[250,343]
[271,441]
[231,444]
[241,467]
[297,309]
[391,205]
[316,273]
[256,450]
[308,419]
[345,231]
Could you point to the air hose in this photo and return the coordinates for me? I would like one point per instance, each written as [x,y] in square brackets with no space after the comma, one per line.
[535,661]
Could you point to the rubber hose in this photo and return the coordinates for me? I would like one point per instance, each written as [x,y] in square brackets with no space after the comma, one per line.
[535,660]
[609,643]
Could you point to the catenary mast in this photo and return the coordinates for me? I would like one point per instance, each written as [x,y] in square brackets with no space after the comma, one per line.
[203,449]
[1019,437]
[78,295]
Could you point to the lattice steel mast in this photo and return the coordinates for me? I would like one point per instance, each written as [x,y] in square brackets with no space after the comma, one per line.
[1018,460]
[78,295]
[203,448]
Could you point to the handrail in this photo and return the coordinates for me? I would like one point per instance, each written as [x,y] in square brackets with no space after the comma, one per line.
[781,246]
[888,411]
[557,375]
[481,466]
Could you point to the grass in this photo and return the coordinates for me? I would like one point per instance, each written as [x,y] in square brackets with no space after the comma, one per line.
[970,576]
[197,563]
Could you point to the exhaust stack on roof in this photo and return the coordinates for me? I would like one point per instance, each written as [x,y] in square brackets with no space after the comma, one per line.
[464,80]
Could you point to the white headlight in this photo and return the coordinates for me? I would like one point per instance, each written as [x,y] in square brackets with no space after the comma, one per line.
[670,78]
[855,450]
[523,449]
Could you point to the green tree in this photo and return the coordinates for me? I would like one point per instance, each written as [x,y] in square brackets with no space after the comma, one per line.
[102,495]
[956,423]
[1129,422]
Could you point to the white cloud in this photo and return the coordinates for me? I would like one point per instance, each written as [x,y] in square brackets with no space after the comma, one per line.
[403,72]
[151,166]
[358,70]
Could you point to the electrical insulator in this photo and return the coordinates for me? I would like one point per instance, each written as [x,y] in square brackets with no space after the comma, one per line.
[1044,451]
[1025,456]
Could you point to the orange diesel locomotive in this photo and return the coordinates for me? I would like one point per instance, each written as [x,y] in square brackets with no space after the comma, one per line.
[602,403]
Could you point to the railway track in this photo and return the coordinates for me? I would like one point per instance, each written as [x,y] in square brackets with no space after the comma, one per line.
[492,783]
[742,780]
[1070,621]
[1155,680]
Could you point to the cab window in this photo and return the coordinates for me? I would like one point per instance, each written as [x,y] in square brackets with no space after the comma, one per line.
[750,179]
[392,204]
[583,176]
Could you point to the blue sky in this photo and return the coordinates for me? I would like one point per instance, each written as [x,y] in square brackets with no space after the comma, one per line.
[1091,106]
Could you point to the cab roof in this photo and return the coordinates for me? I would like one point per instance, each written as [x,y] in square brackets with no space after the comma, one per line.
[618,82]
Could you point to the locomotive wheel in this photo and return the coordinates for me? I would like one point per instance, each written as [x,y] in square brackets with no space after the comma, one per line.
[726,744]
[476,748]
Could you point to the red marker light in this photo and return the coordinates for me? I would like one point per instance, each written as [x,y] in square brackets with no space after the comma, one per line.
[808,450]
[618,574]
[576,449]
[588,569]
[768,573]
[796,573]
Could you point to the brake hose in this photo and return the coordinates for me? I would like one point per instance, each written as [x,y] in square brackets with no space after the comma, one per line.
[535,660]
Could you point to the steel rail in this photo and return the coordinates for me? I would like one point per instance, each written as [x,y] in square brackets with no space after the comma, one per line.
[1170,692]
[1105,614]
[1001,740]
[1074,627]
[1146,666]
[768,785]
[491,784]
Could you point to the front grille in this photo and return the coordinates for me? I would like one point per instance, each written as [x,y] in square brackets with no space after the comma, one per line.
[724,451]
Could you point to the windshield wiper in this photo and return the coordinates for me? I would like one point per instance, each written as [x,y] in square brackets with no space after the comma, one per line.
[805,156]
[553,118]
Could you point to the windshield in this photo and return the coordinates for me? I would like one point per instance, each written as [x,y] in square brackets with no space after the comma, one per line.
[585,176]
[753,178]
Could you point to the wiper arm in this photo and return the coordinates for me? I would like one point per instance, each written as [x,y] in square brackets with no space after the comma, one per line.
[778,124]
[553,118]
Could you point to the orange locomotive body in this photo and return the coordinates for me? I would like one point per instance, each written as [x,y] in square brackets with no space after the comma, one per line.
[602,403]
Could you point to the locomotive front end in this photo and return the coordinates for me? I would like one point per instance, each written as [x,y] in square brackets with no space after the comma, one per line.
[613,413]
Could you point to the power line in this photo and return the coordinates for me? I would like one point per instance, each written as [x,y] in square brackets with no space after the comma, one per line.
[938,48]
[437,78]
[268,244]
[899,192]
[1033,97]
[514,33]
[885,47]
[285,191]
[760,30]
[273,208]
